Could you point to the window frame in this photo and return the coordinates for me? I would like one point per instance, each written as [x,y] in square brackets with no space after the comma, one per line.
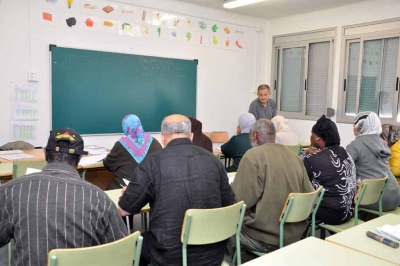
[298,40]
[360,33]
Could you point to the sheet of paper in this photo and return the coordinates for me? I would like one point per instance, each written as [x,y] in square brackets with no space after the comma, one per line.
[92,149]
[16,156]
[11,152]
[32,170]
[90,160]
[126,181]
[231,177]
[390,230]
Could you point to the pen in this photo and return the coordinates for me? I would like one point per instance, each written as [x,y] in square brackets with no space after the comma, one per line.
[383,240]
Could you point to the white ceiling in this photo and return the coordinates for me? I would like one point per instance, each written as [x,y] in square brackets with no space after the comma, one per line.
[272,9]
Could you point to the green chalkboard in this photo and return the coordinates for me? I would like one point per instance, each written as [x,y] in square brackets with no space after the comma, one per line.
[92,91]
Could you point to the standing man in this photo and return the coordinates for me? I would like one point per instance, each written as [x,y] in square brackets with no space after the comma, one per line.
[179,177]
[263,106]
[267,174]
[55,208]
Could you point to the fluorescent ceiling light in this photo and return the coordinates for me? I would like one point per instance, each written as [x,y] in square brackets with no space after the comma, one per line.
[238,3]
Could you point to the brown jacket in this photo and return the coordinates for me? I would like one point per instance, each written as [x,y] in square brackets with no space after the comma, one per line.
[265,177]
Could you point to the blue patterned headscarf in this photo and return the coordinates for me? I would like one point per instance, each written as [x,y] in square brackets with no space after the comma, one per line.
[135,141]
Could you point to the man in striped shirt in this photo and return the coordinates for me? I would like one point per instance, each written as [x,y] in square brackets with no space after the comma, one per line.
[55,208]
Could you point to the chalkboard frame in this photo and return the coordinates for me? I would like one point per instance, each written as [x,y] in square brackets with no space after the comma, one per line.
[186,103]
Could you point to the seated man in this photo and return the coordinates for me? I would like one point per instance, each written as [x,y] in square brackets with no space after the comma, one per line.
[179,177]
[55,208]
[266,175]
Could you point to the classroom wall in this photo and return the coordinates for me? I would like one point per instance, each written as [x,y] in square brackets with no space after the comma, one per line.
[362,12]
[226,79]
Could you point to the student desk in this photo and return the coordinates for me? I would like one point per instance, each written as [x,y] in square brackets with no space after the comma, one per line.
[315,252]
[355,238]
[96,173]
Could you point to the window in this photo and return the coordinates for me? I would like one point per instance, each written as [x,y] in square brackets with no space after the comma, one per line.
[370,72]
[302,73]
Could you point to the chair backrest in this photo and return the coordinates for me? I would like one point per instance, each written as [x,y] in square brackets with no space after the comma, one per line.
[219,136]
[19,167]
[121,252]
[207,226]
[299,206]
[294,148]
[370,191]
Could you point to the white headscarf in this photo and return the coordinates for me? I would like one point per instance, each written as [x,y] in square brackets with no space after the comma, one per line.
[246,121]
[368,123]
[281,124]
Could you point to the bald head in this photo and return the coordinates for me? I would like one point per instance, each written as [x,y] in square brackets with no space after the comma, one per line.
[175,126]
[262,131]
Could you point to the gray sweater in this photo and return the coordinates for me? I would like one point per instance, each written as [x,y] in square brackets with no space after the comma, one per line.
[371,156]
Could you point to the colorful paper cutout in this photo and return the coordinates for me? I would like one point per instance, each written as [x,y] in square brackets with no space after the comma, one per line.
[69,3]
[47,16]
[227,30]
[159,31]
[52,1]
[214,28]
[89,6]
[108,23]
[108,9]
[202,25]
[127,27]
[238,45]
[188,36]
[215,40]
[71,22]
[89,23]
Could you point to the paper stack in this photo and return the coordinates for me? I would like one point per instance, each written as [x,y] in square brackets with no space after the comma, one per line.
[392,231]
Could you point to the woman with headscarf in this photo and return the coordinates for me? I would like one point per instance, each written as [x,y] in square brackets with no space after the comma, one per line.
[331,167]
[391,134]
[237,146]
[199,139]
[284,135]
[371,156]
[129,151]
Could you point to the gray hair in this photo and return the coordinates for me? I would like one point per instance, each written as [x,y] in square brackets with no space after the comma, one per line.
[169,128]
[265,129]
